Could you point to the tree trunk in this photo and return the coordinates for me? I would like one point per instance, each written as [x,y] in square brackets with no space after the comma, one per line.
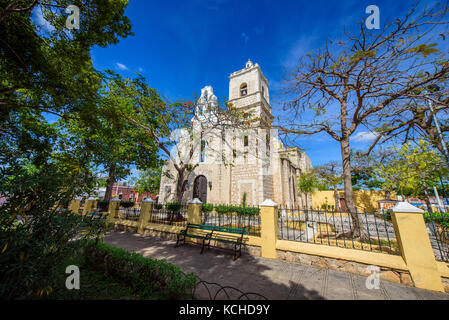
[180,184]
[356,231]
[110,183]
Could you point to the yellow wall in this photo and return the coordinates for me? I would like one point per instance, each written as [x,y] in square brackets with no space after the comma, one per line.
[363,199]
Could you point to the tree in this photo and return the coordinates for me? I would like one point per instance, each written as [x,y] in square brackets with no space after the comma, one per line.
[307,184]
[329,174]
[415,168]
[46,72]
[115,143]
[49,71]
[362,165]
[414,121]
[354,81]
[149,181]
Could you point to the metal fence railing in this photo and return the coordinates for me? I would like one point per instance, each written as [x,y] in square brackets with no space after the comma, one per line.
[438,229]
[131,213]
[162,215]
[370,232]
[247,217]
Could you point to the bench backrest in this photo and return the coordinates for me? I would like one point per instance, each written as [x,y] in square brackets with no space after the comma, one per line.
[199,226]
[94,214]
[229,230]
[216,228]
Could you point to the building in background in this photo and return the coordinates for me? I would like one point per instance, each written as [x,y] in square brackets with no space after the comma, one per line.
[232,165]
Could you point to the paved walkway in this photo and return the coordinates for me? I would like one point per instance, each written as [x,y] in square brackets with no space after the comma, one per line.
[273,279]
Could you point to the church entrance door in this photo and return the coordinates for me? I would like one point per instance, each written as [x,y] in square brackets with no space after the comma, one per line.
[200,189]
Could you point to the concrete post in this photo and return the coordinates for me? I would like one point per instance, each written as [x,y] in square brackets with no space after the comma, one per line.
[415,247]
[75,205]
[146,211]
[194,211]
[269,228]
[89,205]
[114,206]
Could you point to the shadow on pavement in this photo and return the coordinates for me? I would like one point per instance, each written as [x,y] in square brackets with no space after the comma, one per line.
[251,275]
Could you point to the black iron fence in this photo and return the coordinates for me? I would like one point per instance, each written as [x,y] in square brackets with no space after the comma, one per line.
[163,215]
[438,229]
[247,217]
[131,213]
[363,231]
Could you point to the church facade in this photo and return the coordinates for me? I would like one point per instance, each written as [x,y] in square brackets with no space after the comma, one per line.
[231,165]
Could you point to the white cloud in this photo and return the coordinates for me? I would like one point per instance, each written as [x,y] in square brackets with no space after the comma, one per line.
[38,17]
[121,66]
[245,37]
[365,136]
[140,69]
[305,44]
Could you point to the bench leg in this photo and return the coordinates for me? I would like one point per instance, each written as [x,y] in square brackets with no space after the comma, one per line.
[202,247]
[178,239]
[235,252]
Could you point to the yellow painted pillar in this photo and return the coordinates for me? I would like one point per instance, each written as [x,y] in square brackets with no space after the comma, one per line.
[194,211]
[146,211]
[269,228]
[114,206]
[415,247]
[75,205]
[89,205]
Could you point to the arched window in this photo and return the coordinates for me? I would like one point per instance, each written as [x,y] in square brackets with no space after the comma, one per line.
[243,89]
[263,92]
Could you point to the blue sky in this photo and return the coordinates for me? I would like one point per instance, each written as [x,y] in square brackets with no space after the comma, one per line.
[182,46]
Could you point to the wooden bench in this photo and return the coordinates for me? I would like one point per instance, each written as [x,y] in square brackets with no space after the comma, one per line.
[197,231]
[228,235]
[207,234]
[94,215]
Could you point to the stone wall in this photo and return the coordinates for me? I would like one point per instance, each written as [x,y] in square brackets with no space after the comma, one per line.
[388,274]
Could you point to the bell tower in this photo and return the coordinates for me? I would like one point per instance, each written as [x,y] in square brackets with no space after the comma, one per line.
[248,89]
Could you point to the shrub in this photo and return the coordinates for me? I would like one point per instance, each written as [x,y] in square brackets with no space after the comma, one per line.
[158,206]
[207,207]
[143,274]
[437,217]
[173,206]
[34,237]
[103,205]
[127,204]
[239,210]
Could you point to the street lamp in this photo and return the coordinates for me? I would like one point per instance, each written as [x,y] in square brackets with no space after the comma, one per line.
[434,88]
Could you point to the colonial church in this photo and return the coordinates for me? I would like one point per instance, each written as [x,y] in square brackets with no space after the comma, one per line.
[231,165]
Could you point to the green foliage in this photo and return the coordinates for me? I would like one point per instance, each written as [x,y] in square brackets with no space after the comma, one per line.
[412,169]
[143,274]
[173,206]
[244,199]
[424,49]
[127,204]
[308,183]
[149,180]
[207,207]
[439,218]
[239,210]
[158,206]
[34,237]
